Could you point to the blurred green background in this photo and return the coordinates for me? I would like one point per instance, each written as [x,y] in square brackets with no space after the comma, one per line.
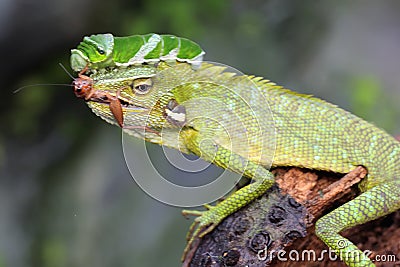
[66,196]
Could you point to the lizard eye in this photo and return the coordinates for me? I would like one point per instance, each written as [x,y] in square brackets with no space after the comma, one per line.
[142,86]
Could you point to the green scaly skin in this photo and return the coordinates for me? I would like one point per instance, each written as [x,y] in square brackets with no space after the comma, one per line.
[310,133]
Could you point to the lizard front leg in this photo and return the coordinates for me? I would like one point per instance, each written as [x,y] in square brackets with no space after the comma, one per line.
[372,204]
[226,159]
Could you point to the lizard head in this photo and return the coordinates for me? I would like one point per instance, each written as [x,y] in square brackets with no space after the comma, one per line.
[93,50]
[146,95]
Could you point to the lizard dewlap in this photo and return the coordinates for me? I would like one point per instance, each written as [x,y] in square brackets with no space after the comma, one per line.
[169,102]
[104,50]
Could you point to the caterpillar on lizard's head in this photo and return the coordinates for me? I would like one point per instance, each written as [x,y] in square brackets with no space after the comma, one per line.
[104,50]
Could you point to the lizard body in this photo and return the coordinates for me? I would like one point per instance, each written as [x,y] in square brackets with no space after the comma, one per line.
[297,130]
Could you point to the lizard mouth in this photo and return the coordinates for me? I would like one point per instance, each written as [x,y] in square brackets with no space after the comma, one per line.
[124,103]
[128,105]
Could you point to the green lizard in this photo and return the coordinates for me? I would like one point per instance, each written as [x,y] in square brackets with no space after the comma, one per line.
[154,102]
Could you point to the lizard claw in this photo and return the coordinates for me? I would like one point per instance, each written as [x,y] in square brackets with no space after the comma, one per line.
[202,225]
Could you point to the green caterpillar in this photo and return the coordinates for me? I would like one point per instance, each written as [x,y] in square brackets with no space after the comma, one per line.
[104,50]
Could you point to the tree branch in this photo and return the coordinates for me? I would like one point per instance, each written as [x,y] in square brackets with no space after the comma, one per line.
[273,222]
